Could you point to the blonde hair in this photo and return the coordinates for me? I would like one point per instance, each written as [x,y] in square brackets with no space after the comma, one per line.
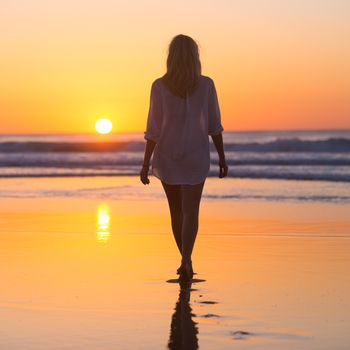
[183,66]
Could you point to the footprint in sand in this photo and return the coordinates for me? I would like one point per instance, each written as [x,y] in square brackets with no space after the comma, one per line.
[211,316]
[238,335]
[208,302]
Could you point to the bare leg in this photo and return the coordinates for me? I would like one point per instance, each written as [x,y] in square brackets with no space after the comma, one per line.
[173,193]
[191,197]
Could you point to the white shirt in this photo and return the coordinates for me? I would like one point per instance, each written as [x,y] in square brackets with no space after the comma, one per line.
[180,128]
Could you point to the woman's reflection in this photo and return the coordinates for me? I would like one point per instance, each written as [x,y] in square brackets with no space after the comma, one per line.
[183,330]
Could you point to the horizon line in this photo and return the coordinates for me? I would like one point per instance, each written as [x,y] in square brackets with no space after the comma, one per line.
[141,132]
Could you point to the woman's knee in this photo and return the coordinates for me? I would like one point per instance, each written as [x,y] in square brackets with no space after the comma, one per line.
[176,212]
[190,205]
[190,212]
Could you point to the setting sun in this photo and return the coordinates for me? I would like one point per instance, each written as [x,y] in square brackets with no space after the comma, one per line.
[103,126]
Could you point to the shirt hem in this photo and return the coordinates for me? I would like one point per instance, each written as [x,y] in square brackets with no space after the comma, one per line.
[179,182]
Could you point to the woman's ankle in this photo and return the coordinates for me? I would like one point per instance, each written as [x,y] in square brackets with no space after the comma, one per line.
[186,261]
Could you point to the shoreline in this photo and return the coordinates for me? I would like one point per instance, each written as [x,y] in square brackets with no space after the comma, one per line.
[86,266]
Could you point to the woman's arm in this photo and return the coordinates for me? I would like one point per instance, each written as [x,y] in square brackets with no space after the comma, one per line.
[219,145]
[146,161]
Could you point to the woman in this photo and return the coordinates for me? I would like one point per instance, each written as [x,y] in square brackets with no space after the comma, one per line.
[183,111]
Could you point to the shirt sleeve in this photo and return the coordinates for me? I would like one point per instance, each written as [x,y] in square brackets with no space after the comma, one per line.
[214,116]
[155,115]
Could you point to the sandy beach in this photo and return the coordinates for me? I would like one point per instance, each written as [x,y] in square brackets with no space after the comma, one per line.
[83,271]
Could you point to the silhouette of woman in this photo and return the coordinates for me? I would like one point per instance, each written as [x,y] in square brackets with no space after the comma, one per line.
[183,111]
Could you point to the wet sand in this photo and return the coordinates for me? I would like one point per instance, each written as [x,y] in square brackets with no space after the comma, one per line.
[90,273]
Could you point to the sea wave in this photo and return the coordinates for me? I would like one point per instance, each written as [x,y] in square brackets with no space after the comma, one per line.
[287,145]
[321,173]
[330,145]
[111,159]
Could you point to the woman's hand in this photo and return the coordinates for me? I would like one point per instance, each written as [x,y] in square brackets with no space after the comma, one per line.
[223,169]
[150,145]
[219,145]
[144,174]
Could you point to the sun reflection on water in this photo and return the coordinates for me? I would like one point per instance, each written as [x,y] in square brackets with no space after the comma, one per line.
[103,223]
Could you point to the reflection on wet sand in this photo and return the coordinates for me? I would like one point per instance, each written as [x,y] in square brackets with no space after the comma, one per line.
[103,223]
[183,330]
[276,287]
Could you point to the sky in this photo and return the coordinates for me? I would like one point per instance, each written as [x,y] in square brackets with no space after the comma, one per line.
[276,64]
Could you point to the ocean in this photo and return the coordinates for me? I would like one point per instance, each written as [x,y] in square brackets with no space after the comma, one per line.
[320,158]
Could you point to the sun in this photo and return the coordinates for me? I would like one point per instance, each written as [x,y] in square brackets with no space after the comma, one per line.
[103,126]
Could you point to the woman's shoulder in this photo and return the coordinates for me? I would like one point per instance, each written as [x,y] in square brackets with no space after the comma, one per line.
[156,82]
[207,79]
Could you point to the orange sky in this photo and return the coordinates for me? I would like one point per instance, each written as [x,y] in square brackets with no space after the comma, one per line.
[276,64]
